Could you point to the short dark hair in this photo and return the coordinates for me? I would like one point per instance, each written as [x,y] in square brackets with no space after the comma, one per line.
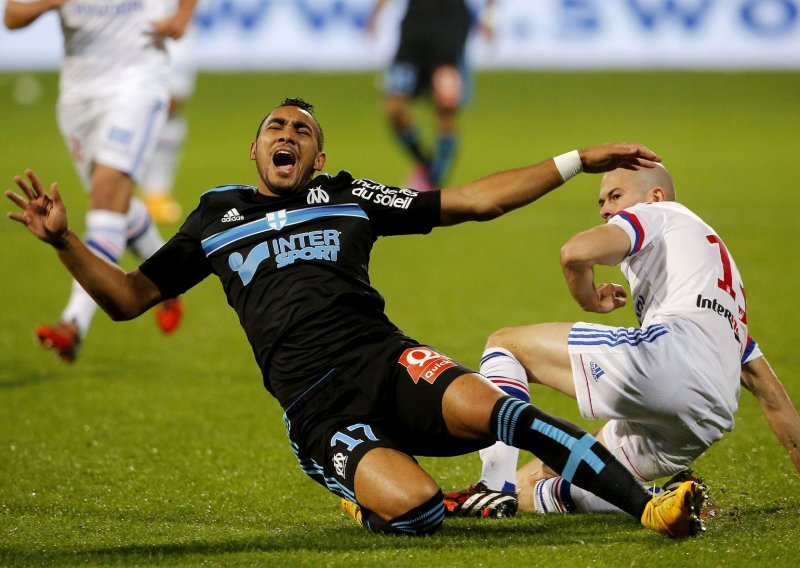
[301,104]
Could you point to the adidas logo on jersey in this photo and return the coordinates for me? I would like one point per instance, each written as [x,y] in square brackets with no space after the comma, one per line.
[231,216]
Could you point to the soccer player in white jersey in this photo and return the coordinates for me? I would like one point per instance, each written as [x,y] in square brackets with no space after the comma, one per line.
[669,388]
[112,105]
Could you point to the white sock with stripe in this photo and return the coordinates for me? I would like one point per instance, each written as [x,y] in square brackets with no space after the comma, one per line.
[557,495]
[105,236]
[141,233]
[499,471]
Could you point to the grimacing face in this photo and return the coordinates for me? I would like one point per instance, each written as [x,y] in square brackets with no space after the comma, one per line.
[287,151]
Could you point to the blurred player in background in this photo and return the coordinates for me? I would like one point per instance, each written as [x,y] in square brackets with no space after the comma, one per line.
[112,104]
[670,388]
[361,399]
[159,178]
[430,59]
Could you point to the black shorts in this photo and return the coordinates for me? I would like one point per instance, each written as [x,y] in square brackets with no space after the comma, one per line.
[417,59]
[388,395]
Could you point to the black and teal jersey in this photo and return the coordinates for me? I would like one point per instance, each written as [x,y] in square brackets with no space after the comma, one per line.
[295,268]
[434,32]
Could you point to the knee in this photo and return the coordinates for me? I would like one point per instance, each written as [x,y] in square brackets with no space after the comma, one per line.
[423,519]
[111,189]
[502,338]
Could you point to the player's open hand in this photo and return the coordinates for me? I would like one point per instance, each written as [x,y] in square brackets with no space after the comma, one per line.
[610,297]
[609,157]
[44,215]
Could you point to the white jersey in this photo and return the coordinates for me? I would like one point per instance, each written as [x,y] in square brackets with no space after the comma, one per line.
[108,45]
[679,268]
[671,387]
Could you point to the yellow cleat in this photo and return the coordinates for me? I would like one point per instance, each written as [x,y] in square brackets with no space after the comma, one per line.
[676,513]
[163,209]
[353,511]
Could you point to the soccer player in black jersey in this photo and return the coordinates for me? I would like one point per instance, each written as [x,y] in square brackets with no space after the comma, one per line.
[430,59]
[360,398]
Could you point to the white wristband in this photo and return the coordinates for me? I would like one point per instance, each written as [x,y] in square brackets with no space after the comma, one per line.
[569,164]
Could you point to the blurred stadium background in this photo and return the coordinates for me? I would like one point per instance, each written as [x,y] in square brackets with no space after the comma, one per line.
[154,450]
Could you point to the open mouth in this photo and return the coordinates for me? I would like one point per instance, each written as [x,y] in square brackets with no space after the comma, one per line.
[284,161]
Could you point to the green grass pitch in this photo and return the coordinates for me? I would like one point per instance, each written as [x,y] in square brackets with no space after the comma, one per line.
[167,450]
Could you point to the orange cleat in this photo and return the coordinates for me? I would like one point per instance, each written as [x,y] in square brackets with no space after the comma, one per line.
[61,337]
[169,314]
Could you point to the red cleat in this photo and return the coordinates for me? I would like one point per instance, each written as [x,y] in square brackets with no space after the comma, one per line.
[479,501]
[61,337]
[169,314]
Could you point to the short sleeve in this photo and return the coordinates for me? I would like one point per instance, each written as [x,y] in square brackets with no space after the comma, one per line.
[181,263]
[398,211]
[751,351]
[642,223]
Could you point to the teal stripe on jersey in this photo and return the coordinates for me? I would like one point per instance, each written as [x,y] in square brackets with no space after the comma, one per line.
[276,221]
[230,187]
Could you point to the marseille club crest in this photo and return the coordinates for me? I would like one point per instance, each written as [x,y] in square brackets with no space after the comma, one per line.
[276,220]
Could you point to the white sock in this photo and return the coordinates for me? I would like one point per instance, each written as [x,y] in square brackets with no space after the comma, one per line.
[141,233]
[557,495]
[105,236]
[160,173]
[499,471]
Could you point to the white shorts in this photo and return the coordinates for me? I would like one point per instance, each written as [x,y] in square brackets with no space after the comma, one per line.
[119,130]
[663,415]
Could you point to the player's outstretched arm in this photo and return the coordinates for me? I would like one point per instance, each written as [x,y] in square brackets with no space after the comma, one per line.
[21,14]
[505,191]
[122,295]
[759,378]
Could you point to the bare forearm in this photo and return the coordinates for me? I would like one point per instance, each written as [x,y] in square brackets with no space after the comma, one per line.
[580,281]
[121,295]
[505,191]
[779,411]
[499,193]
[786,427]
[606,245]
[19,14]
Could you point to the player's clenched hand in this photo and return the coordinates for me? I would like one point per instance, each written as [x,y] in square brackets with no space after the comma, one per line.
[43,214]
[609,157]
[610,297]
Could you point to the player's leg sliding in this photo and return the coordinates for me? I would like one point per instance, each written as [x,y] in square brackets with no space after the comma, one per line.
[495,494]
[556,495]
[422,520]
[583,461]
